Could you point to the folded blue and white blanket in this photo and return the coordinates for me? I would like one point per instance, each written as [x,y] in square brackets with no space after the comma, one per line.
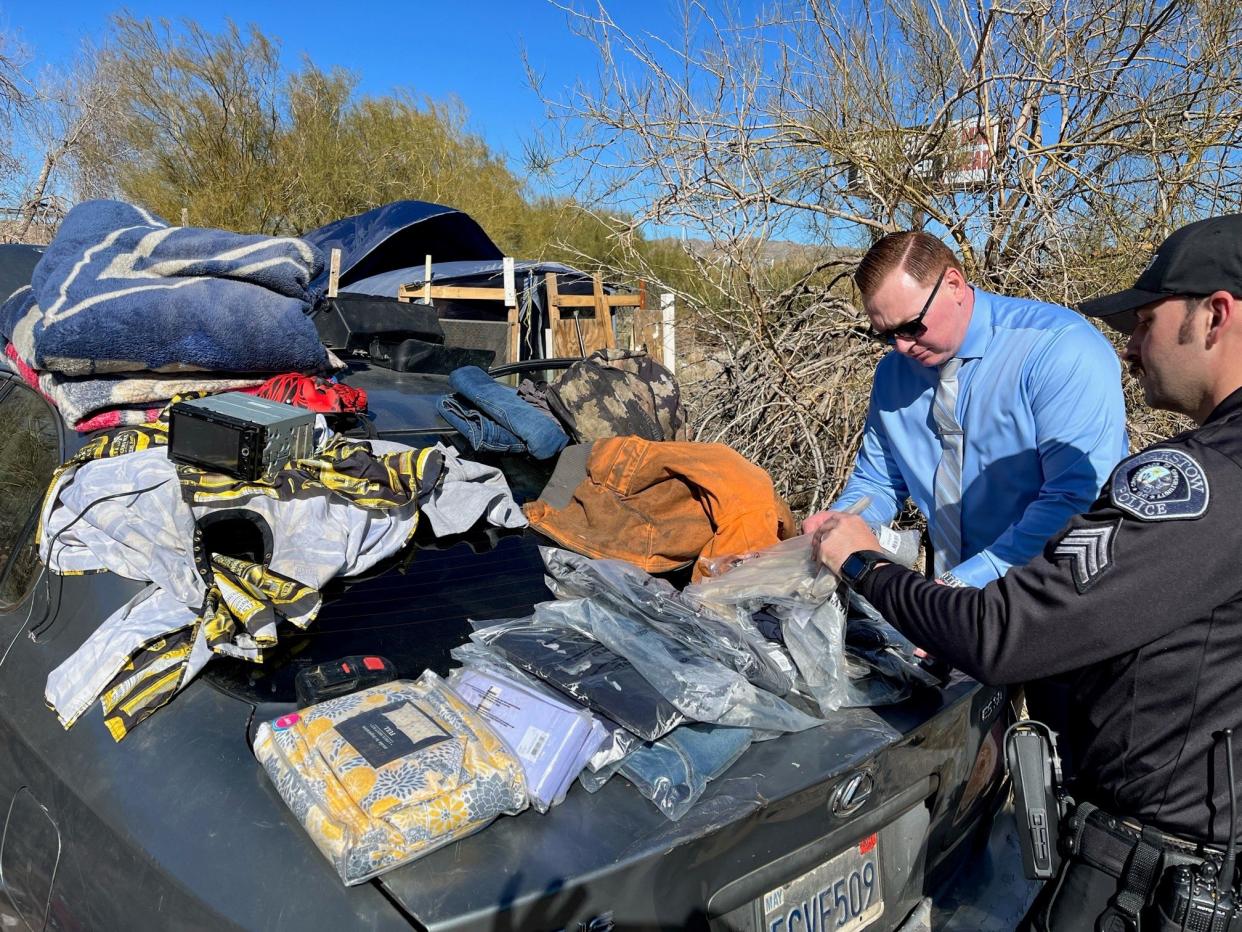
[119,290]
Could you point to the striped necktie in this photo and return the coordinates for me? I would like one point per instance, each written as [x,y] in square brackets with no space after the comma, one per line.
[946,524]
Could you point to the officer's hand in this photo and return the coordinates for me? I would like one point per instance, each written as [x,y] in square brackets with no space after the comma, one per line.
[839,535]
[813,522]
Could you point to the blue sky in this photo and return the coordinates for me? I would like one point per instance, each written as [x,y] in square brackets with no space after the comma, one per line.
[470,49]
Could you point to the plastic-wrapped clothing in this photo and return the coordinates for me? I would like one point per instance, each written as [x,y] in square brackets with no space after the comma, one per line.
[614,741]
[674,771]
[702,689]
[663,506]
[884,666]
[388,774]
[787,582]
[579,666]
[786,572]
[551,737]
[815,639]
[626,589]
[768,625]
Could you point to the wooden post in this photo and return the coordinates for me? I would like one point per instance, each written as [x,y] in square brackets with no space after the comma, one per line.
[515,336]
[185,216]
[334,273]
[427,280]
[639,326]
[559,347]
[603,317]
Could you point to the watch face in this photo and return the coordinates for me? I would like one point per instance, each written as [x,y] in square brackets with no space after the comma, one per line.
[858,564]
[855,565]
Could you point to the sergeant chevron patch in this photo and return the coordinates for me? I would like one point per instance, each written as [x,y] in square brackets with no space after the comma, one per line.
[1091,551]
[1160,485]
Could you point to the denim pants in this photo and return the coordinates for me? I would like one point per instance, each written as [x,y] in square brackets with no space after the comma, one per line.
[674,771]
[482,432]
[538,430]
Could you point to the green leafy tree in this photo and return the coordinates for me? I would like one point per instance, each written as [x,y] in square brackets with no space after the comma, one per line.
[210,122]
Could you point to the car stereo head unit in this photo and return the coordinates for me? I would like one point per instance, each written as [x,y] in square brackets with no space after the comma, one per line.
[239,435]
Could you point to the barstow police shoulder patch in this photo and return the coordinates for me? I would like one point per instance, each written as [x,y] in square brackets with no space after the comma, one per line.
[1160,485]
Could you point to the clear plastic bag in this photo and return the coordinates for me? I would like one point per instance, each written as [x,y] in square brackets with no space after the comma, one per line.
[439,757]
[701,688]
[593,780]
[552,736]
[577,664]
[614,741]
[786,572]
[626,589]
[886,668]
[815,639]
[615,744]
[675,771]
[788,583]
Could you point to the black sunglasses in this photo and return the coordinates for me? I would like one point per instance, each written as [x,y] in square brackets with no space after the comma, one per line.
[914,328]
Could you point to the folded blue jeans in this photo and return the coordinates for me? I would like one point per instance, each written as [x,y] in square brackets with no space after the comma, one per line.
[543,436]
[674,771]
[480,430]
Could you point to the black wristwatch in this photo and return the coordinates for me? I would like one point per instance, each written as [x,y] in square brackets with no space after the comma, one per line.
[859,564]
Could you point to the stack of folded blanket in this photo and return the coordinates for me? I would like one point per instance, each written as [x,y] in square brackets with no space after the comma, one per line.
[124,311]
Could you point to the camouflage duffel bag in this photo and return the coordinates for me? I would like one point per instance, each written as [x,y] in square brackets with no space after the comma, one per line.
[618,393]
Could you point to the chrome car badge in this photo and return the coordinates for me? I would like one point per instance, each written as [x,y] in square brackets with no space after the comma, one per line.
[852,793]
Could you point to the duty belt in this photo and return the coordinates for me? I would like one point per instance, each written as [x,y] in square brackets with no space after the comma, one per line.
[1135,854]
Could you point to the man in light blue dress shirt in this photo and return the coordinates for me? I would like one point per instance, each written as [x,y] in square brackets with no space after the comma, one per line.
[1037,397]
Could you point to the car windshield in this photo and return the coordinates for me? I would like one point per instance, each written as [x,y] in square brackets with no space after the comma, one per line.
[413,608]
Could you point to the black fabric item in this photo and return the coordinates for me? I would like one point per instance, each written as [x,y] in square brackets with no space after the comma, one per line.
[1198,259]
[589,672]
[1137,883]
[1153,646]
[17,262]
[350,322]
[535,393]
[1072,901]
[768,625]
[413,355]
[571,469]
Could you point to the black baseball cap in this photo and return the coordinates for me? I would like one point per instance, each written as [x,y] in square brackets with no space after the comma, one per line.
[1199,259]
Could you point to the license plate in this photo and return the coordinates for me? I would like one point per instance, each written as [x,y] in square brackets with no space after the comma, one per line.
[841,895]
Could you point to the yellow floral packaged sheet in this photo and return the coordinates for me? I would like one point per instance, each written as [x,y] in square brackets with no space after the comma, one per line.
[385,775]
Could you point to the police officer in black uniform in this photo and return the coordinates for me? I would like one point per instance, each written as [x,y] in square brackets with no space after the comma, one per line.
[1139,599]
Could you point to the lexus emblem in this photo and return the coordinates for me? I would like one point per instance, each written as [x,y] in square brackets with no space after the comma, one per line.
[852,793]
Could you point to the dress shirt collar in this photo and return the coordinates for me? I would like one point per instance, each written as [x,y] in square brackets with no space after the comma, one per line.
[979,330]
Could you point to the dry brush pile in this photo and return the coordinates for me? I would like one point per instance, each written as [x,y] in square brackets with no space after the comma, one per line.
[785,386]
